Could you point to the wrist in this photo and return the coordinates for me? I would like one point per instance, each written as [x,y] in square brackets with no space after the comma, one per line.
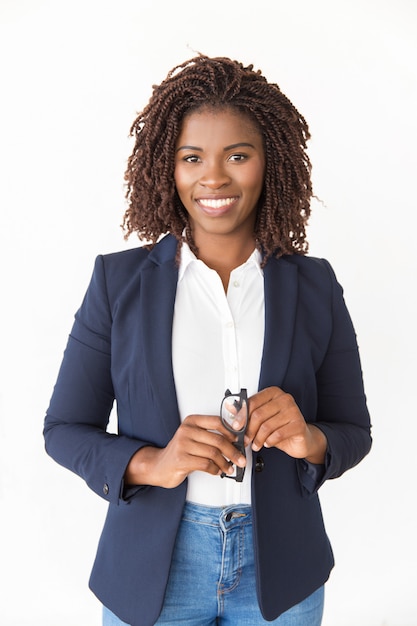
[318,448]
[138,470]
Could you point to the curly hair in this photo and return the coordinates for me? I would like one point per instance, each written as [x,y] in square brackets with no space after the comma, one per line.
[153,205]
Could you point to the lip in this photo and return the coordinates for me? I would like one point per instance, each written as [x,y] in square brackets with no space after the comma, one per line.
[216,205]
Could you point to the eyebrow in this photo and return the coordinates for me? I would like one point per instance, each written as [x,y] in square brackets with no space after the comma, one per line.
[225,149]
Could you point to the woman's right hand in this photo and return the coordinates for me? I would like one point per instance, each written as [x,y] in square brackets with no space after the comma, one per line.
[201,443]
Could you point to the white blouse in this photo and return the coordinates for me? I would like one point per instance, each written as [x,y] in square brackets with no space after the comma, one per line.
[217,344]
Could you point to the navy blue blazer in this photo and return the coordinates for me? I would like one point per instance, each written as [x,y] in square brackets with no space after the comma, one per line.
[120,349]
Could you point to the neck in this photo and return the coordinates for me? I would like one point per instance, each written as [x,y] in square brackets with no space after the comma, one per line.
[224,254]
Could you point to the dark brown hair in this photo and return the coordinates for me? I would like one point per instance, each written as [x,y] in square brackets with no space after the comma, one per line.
[154,207]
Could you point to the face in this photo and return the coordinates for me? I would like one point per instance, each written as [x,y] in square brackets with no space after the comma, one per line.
[219,173]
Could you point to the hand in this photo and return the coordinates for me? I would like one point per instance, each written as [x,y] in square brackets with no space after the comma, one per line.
[194,447]
[276,421]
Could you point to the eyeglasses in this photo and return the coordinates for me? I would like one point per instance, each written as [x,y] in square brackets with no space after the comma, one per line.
[234,408]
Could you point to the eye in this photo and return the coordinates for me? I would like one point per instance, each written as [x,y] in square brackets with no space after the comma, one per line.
[237,157]
[191,158]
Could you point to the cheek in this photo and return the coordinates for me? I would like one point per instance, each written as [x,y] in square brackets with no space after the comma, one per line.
[255,179]
[183,186]
[181,175]
[177,176]
[181,179]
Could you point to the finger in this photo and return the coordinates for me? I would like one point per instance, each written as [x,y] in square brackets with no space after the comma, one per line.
[289,436]
[185,455]
[262,406]
[210,466]
[284,433]
[274,404]
[230,407]
[211,446]
[264,433]
[263,397]
[210,459]
[267,422]
[240,420]
[260,424]
[209,423]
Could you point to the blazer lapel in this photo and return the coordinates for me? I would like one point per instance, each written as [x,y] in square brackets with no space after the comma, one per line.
[158,286]
[281,289]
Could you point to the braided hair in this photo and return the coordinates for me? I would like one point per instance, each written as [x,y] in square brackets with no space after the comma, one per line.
[153,205]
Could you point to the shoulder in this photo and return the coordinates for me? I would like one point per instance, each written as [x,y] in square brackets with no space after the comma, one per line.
[308,264]
[113,271]
[124,260]
[308,268]
[126,256]
[118,277]
[128,263]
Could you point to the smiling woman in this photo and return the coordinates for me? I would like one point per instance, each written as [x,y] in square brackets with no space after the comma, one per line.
[219,175]
[213,86]
[221,297]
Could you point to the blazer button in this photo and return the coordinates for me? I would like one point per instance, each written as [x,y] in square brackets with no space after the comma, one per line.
[260,464]
[105,489]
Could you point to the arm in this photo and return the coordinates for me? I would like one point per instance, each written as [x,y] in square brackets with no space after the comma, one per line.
[342,413]
[77,417]
[339,436]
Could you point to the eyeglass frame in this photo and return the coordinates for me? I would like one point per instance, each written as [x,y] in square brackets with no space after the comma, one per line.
[240,443]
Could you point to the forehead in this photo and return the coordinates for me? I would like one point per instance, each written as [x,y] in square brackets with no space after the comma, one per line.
[215,121]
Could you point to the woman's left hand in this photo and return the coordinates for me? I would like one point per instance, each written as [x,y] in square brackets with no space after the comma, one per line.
[276,421]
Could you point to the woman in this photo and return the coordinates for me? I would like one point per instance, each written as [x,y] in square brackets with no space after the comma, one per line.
[226,304]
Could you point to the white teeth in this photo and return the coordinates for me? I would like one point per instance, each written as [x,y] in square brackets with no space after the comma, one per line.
[213,203]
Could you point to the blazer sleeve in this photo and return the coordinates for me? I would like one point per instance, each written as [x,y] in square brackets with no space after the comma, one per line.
[78,414]
[342,412]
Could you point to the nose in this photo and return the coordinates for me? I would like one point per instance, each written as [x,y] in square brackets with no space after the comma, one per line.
[214,176]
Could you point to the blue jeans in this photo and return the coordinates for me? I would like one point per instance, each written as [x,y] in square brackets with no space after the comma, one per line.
[212,578]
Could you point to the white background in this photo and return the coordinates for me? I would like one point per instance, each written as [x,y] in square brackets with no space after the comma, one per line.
[73,75]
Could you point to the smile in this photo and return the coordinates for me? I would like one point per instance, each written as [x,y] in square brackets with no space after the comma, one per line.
[216,203]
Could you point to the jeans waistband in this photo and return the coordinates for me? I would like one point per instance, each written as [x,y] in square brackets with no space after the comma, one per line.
[226,517]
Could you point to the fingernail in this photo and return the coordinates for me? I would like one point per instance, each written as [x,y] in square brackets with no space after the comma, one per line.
[255,448]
